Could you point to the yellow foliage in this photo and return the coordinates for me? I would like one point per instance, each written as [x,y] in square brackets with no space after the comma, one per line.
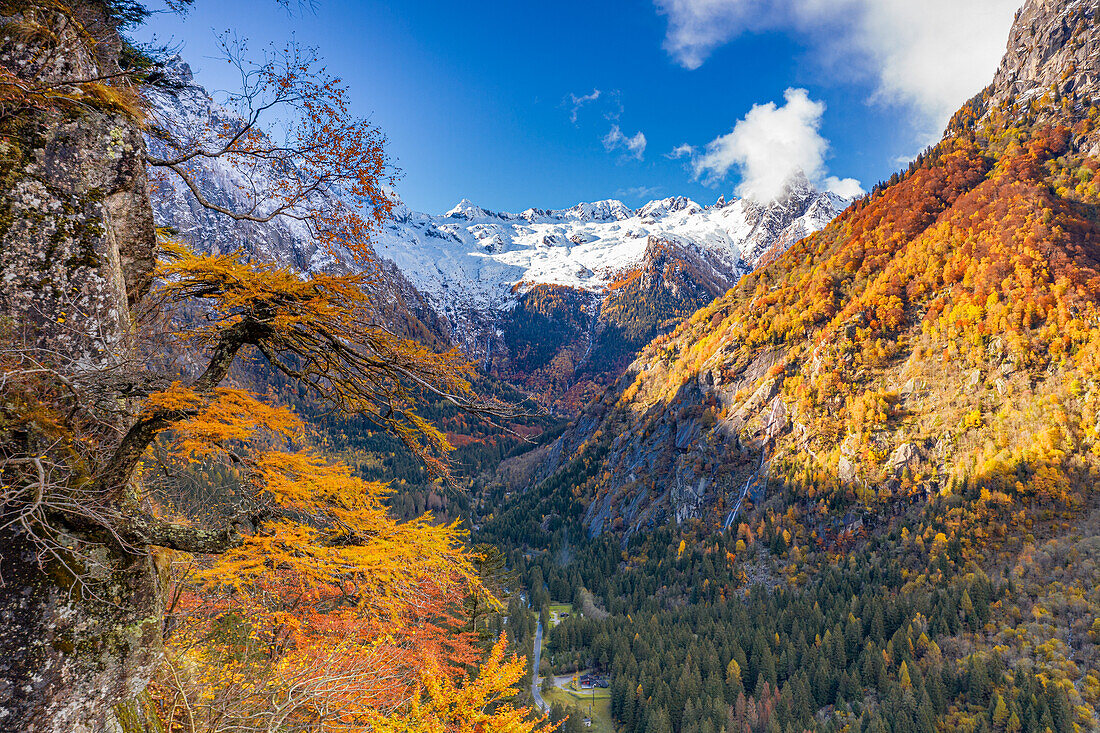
[321,331]
[232,417]
[475,705]
[320,606]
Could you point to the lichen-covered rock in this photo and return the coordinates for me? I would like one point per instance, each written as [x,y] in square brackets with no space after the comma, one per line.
[137,715]
[81,626]
[77,234]
[71,651]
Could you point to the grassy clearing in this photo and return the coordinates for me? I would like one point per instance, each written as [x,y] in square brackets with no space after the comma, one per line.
[599,693]
[601,706]
[556,609]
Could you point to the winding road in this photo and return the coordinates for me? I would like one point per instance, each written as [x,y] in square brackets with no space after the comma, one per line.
[535,670]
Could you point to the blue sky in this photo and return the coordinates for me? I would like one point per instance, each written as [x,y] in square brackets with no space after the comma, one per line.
[477,98]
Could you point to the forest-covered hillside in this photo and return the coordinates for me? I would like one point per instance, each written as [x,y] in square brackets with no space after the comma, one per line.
[897,418]
[253,478]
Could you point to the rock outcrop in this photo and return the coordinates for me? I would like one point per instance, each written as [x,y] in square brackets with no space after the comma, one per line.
[1053,49]
[81,625]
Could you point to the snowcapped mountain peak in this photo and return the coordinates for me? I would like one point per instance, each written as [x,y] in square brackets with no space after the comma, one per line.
[799,181]
[797,187]
[469,261]
[467,209]
[662,207]
[606,210]
[534,214]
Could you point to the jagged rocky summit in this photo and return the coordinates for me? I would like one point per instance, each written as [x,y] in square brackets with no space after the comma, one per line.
[1052,48]
[469,261]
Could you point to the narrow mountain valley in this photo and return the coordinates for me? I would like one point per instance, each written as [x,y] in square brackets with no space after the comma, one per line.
[871,465]
[279,453]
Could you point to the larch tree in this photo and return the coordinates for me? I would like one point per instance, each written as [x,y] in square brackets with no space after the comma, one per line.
[326,613]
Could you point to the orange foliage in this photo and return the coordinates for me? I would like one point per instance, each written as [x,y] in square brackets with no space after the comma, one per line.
[323,611]
[309,648]
[320,331]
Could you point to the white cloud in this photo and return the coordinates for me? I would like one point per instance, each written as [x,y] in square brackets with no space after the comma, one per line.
[681,151]
[634,145]
[849,188]
[771,146]
[613,105]
[930,55]
[575,103]
[643,193]
[935,54]
[697,27]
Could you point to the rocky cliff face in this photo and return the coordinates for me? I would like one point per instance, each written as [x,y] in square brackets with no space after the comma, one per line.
[1051,67]
[77,253]
[1052,49]
[77,227]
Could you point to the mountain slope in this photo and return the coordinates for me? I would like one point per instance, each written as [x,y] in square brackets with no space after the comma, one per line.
[984,256]
[917,381]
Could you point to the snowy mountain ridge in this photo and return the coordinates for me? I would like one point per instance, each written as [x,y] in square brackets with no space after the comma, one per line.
[473,259]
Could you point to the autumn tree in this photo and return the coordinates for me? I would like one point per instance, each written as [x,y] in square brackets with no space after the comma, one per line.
[301,154]
[304,605]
